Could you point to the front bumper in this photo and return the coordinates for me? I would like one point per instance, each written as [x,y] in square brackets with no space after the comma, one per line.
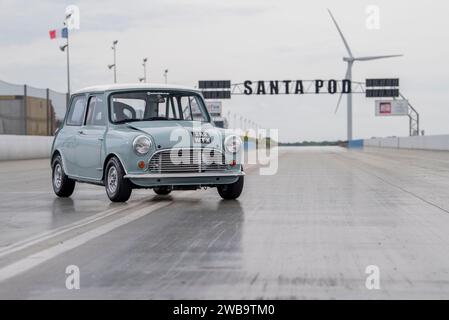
[184,175]
[184,179]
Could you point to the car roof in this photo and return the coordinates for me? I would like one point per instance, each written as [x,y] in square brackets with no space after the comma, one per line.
[133,86]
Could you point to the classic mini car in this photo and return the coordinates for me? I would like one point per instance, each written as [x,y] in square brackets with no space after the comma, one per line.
[144,136]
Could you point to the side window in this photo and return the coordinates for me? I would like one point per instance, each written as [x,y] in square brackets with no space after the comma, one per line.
[186,107]
[127,108]
[191,108]
[172,109]
[96,111]
[76,112]
[196,110]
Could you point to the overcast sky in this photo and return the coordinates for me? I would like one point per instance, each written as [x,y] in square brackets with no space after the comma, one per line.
[243,40]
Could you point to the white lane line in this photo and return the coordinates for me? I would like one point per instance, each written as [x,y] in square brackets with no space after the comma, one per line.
[38,258]
[25,192]
[20,245]
[23,244]
[49,192]
[78,224]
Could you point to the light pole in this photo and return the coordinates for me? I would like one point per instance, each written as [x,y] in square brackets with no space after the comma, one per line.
[144,79]
[166,75]
[114,65]
[66,49]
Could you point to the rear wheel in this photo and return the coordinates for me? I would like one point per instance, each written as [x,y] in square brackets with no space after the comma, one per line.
[231,191]
[63,186]
[118,188]
[162,191]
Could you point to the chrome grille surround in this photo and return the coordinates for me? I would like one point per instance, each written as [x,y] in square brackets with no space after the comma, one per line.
[187,160]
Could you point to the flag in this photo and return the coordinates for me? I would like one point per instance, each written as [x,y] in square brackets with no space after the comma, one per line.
[59,33]
[52,34]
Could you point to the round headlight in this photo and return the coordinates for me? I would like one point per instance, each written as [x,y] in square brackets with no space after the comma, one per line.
[233,144]
[141,145]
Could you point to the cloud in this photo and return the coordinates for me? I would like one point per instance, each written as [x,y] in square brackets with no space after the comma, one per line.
[239,40]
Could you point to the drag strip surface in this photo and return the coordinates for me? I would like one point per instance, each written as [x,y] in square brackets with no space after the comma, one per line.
[309,231]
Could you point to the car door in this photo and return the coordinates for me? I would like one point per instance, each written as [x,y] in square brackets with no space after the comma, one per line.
[90,146]
[69,133]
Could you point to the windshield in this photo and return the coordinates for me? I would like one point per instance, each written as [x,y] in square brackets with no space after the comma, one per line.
[149,105]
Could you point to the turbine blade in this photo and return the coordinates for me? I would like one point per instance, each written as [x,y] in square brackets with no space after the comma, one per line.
[378,57]
[341,94]
[341,34]
[338,103]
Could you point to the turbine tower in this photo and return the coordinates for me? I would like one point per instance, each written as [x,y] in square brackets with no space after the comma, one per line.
[350,61]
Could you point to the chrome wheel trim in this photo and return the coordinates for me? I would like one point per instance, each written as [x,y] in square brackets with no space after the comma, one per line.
[57,176]
[112,180]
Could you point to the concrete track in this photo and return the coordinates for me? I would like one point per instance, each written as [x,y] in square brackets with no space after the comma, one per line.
[307,232]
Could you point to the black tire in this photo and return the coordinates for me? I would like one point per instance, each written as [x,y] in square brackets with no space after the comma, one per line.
[63,186]
[117,187]
[231,191]
[162,191]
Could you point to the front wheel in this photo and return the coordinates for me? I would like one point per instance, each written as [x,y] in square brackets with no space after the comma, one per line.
[63,186]
[118,188]
[231,191]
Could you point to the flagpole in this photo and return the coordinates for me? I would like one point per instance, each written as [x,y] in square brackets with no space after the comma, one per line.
[115,64]
[66,26]
[68,64]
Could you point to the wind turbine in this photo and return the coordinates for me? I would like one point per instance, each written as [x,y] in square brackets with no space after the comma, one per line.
[350,61]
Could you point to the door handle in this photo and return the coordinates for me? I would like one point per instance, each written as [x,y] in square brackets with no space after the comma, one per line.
[101,139]
[81,132]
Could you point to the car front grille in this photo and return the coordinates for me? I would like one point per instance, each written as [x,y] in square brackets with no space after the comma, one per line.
[187,160]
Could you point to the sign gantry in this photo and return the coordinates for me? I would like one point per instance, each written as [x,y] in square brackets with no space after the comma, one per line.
[372,88]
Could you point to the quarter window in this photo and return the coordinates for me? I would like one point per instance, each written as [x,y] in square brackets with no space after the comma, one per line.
[76,113]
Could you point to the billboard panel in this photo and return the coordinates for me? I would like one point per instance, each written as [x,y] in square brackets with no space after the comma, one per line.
[382,93]
[382,82]
[217,94]
[214,108]
[386,108]
[214,84]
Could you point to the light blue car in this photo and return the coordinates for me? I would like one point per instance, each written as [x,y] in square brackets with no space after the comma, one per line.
[144,136]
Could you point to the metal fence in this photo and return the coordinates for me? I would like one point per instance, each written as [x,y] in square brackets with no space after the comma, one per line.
[25,110]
